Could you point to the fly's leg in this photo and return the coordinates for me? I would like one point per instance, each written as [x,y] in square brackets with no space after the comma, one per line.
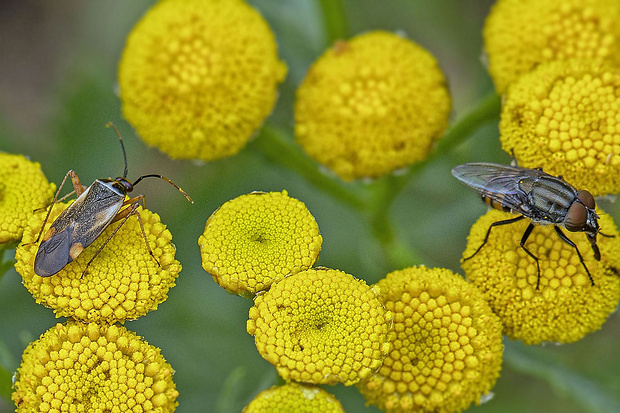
[486,237]
[524,238]
[572,244]
[78,189]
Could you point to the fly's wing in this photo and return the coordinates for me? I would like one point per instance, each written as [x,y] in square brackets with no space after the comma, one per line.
[498,182]
[76,228]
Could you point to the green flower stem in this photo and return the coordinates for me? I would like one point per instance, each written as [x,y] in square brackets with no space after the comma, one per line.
[281,149]
[335,20]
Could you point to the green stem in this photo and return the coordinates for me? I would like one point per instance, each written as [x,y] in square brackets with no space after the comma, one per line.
[335,20]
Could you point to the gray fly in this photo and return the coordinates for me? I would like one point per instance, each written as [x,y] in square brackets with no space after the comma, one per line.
[542,198]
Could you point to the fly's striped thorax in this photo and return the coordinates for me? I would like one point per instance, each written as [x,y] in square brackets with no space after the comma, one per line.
[549,196]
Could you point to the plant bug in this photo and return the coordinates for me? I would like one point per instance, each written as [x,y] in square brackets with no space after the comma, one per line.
[542,198]
[95,208]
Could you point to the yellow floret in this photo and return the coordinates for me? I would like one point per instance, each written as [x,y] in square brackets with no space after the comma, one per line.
[446,349]
[294,397]
[198,77]
[23,188]
[566,306]
[521,34]
[563,117]
[257,239]
[93,368]
[320,326]
[123,281]
[371,105]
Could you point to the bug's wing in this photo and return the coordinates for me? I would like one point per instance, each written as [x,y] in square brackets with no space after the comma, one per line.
[497,182]
[53,253]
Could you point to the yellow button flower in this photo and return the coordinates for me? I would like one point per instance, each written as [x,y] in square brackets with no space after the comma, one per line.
[566,306]
[257,239]
[446,347]
[371,105]
[520,34]
[23,188]
[320,326]
[294,397]
[563,117]
[198,77]
[123,281]
[93,368]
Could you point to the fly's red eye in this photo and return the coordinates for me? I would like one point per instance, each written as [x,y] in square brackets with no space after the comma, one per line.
[586,198]
[576,217]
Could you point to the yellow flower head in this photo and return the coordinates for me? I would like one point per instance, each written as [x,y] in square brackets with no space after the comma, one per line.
[294,397]
[320,326]
[371,105]
[198,77]
[520,34]
[446,347]
[566,306]
[257,239]
[563,117]
[23,188]
[123,282]
[93,368]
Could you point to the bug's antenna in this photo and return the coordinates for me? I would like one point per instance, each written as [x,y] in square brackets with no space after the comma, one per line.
[108,125]
[167,180]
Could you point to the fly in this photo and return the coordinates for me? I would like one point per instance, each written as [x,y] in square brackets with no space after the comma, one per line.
[81,223]
[542,198]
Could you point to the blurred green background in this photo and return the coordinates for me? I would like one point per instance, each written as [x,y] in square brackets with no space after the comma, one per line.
[57,91]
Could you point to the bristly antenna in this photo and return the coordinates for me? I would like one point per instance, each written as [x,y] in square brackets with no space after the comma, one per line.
[167,180]
[108,125]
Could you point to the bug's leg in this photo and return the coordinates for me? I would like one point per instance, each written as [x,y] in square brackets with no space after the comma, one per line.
[524,238]
[607,235]
[572,244]
[495,224]
[133,211]
[74,180]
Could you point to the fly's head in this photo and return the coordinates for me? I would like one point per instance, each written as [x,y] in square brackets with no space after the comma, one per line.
[582,217]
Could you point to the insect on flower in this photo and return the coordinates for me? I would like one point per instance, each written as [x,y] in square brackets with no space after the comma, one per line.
[95,208]
[542,198]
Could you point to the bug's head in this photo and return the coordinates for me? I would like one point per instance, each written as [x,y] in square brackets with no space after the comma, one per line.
[123,185]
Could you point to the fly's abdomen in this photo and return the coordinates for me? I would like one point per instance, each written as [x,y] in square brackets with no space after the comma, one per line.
[496,203]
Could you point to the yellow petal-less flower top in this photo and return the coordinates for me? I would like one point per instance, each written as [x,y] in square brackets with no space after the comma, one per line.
[446,345]
[320,326]
[566,306]
[93,368]
[123,282]
[198,77]
[371,105]
[521,34]
[294,397]
[23,189]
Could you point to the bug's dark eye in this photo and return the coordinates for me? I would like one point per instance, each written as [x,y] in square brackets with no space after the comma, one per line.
[586,198]
[576,217]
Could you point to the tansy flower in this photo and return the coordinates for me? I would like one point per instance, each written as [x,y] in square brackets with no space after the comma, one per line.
[446,348]
[123,282]
[93,368]
[563,117]
[519,35]
[371,105]
[320,326]
[257,239]
[294,397]
[198,77]
[23,188]
[566,306]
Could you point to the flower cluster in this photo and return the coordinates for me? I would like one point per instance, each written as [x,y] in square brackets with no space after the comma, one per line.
[23,189]
[371,105]
[198,77]
[294,397]
[446,348]
[258,239]
[93,368]
[566,306]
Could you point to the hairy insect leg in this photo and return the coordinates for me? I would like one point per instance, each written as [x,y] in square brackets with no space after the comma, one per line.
[495,224]
[567,240]
[524,238]
[78,189]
